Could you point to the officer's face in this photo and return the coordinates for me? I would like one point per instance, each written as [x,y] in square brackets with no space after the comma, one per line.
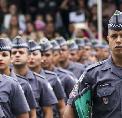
[102,53]
[87,50]
[19,56]
[47,59]
[56,57]
[99,53]
[106,53]
[64,53]
[4,60]
[115,42]
[81,51]
[74,55]
[34,59]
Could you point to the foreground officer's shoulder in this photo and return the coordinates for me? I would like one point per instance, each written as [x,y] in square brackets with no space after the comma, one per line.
[95,65]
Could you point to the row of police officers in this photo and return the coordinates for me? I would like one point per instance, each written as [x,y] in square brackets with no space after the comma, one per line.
[35,79]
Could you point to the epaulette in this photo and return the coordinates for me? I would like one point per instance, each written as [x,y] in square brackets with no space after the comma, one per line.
[62,70]
[95,65]
[9,77]
[20,76]
[38,75]
[49,72]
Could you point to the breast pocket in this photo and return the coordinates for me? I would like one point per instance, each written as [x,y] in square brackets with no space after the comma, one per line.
[106,97]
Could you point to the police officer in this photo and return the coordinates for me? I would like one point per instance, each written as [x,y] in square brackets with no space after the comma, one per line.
[5,69]
[81,44]
[52,78]
[73,49]
[35,60]
[43,94]
[102,51]
[87,50]
[104,77]
[65,63]
[56,58]
[66,80]
[12,100]
[89,56]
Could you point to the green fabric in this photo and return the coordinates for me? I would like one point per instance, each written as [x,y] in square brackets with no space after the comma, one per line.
[83,105]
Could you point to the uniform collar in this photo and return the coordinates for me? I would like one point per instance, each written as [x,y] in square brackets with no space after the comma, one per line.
[107,64]
[12,74]
[42,73]
[1,77]
[114,69]
[29,75]
[70,65]
[55,69]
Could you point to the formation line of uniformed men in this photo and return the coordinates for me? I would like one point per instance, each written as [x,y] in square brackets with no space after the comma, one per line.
[35,79]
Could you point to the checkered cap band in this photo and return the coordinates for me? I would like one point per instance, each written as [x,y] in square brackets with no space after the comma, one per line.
[33,45]
[19,42]
[5,44]
[115,21]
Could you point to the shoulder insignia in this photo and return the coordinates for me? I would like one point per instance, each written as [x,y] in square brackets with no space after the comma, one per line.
[20,76]
[38,75]
[62,71]
[65,71]
[49,72]
[95,65]
[90,67]
[82,77]
[9,77]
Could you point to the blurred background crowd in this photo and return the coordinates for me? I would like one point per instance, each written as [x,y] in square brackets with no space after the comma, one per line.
[35,19]
[52,18]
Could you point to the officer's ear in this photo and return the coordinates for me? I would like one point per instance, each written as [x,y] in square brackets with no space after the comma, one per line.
[28,53]
[108,36]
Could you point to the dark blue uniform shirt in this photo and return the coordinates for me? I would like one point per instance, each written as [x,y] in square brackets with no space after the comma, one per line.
[27,90]
[57,88]
[42,92]
[12,99]
[66,80]
[105,79]
[55,83]
[76,68]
